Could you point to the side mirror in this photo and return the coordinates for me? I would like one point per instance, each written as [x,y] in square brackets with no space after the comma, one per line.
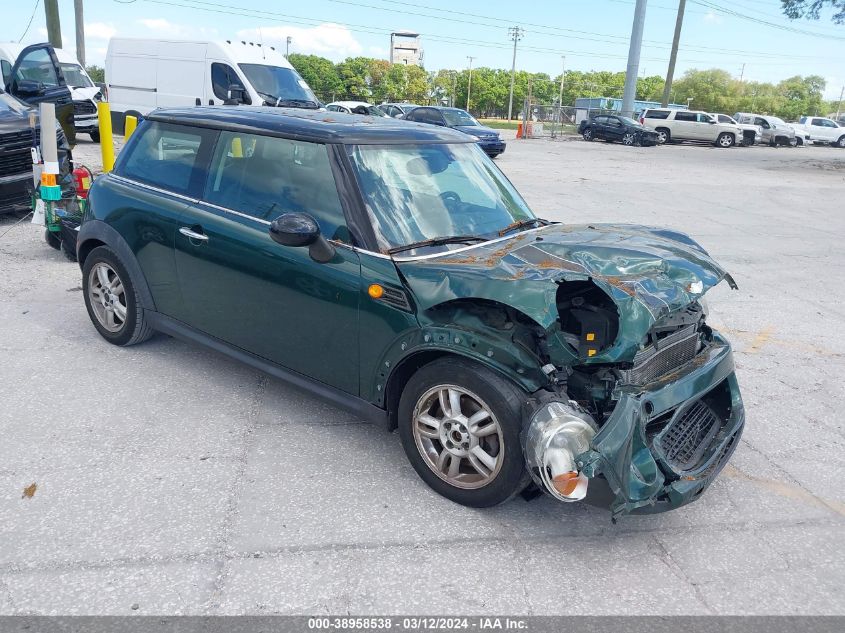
[29,88]
[300,229]
[236,94]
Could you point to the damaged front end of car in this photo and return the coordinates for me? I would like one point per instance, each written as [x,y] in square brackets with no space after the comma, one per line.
[640,409]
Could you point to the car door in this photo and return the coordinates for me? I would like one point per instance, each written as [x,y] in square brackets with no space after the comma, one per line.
[684,126]
[240,286]
[36,77]
[614,129]
[597,125]
[160,170]
[768,134]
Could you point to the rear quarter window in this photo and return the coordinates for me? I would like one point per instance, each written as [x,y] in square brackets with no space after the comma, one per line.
[165,156]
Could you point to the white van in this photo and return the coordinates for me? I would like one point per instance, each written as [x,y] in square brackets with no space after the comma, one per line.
[84,93]
[142,75]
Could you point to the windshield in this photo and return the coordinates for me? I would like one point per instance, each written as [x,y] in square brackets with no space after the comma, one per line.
[459,117]
[75,76]
[420,192]
[376,111]
[277,83]
[629,121]
[774,119]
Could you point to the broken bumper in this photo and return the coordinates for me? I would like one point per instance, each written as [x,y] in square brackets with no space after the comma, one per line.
[662,446]
[665,443]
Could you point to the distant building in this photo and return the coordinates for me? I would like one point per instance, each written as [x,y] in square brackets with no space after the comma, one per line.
[406,48]
[584,106]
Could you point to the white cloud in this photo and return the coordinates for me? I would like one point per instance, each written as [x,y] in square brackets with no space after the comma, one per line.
[329,40]
[100,31]
[165,28]
[378,51]
[712,17]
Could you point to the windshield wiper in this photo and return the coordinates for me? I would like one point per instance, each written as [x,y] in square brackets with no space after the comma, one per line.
[521,224]
[438,241]
[307,103]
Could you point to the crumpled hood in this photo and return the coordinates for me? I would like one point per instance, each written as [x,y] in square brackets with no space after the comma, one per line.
[648,272]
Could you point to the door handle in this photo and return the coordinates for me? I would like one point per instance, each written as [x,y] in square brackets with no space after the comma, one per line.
[188,232]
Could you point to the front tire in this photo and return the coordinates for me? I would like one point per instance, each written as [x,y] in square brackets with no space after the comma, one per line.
[95,136]
[459,423]
[111,299]
[52,239]
[629,139]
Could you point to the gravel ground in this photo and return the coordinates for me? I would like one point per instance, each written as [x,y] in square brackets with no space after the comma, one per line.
[169,480]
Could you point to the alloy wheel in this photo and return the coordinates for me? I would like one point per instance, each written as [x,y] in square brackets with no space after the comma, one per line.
[458,436]
[588,134]
[107,297]
[661,137]
[628,139]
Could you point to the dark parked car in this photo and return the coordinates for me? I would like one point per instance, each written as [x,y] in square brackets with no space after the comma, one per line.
[457,119]
[611,127]
[397,110]
[17,139]
[392,269]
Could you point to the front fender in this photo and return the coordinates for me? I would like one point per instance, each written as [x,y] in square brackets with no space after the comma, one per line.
[499,354]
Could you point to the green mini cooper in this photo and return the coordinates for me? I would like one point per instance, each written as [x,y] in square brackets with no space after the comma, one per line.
[391,268]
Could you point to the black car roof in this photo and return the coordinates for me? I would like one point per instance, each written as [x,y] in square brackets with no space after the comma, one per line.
[310,125]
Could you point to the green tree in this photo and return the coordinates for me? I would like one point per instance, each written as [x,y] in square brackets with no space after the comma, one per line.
[795,9]
[97,74]
[354,74]
[319,73]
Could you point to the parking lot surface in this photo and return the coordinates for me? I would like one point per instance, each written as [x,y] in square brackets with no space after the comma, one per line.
[170,480]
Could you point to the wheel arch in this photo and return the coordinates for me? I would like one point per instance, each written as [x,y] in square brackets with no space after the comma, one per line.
[94,233]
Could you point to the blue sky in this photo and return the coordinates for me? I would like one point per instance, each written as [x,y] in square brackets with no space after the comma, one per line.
[593,35]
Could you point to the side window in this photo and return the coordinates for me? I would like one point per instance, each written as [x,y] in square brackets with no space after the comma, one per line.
[164,156]
[724,118]
[657,114]
[223,76]
[599,120]
[427,115]
[803,120]
[6,69]
[264,177]
[38,66]
[704,118]
[685,116]
[761,122]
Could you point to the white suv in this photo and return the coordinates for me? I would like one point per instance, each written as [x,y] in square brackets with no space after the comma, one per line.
[689,125]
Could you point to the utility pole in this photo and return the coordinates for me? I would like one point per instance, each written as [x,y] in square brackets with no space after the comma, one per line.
[742,73]
[454,88]
[287,46]
[54,29]
[633,69]
[673,57]
[80,32]
[469,83]
[562,73]
[515,33]
[839,105]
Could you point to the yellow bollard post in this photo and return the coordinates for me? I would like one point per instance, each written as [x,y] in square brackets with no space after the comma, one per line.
[129,127]
[106,142]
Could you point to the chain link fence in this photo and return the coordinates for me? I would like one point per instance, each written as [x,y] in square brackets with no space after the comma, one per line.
[541,120]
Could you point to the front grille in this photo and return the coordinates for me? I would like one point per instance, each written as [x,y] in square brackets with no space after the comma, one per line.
[685,441]
[18,200]
[15,157]
[83,107]
[664,356]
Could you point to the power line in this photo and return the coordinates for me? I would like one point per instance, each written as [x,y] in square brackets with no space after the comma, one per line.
[31,18]
[224,9]
[750,18]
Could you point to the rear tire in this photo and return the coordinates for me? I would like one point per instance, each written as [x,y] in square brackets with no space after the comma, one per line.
[725,140]
[663,135]
[111,299]
[475,463]
[841,142]
[95,136]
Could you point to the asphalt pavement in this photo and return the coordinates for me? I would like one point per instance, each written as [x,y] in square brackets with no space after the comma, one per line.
[165,479]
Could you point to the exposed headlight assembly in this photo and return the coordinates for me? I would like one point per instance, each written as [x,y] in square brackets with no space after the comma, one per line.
[557,434]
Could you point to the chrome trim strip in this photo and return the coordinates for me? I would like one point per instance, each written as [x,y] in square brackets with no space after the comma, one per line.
[119,87]
[151,187]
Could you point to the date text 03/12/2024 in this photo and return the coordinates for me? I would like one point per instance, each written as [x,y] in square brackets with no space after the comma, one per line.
[417,623]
